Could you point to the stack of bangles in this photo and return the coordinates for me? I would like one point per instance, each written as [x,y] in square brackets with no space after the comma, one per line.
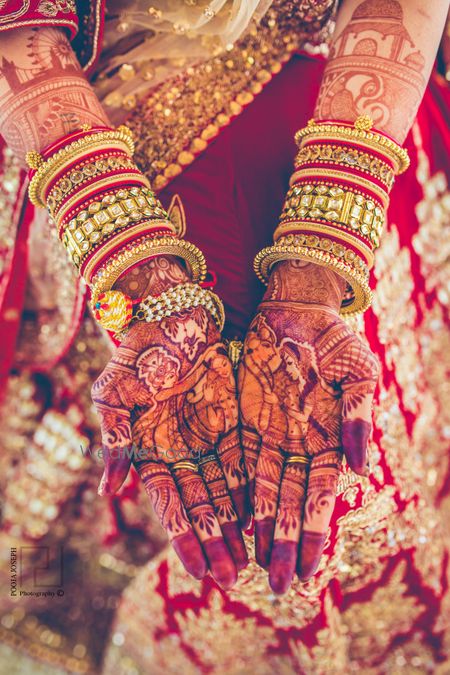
[110,221]
[335,209]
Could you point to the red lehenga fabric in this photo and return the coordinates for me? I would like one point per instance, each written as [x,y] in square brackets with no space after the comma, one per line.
[381,600]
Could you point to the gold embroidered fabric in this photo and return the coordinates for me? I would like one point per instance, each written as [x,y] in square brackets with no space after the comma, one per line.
[182,88]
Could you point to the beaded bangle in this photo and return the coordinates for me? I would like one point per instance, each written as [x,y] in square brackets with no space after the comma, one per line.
[179,298]
[114,309]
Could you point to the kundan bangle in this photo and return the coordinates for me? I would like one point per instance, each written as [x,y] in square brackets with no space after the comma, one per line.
[100,220]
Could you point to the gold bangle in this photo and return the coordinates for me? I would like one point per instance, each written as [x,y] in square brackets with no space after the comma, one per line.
[122,136]
[326,176]
[76,201]
[361,132]
[346,156]
[116,265]
[287,234]
[266,258]
[334,204]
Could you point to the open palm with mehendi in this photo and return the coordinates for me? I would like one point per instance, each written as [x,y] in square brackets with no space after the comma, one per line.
[306,383]
[170,391]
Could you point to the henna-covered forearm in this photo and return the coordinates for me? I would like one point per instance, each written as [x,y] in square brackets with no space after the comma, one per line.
[44,94]
[304,282]
[380,61]
[153,277]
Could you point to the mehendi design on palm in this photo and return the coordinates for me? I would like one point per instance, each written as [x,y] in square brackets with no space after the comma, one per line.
[306,383]
[170,391]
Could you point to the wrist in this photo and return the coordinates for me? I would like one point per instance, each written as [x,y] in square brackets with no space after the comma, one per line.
[306,283]
[152,277]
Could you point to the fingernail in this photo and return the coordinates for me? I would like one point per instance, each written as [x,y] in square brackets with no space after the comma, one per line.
[104,487]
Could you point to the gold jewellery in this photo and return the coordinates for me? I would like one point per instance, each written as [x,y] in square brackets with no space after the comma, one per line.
[110,221]
[335,210]
[114,309]
[120,138]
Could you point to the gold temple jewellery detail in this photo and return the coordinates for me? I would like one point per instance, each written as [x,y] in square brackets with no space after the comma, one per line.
[104,277]
[235,348]
[334,212]
[298,459]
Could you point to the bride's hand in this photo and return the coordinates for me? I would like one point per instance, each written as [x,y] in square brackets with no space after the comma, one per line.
[306,384]
[169,394]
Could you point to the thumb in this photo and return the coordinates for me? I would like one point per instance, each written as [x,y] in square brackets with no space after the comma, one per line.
[117,448]
[357,398]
